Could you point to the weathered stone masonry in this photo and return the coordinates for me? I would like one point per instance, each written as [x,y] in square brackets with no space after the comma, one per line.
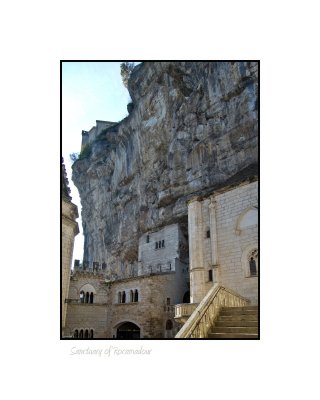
[186,157]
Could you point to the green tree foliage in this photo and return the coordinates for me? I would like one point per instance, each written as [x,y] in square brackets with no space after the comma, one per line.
[125,69]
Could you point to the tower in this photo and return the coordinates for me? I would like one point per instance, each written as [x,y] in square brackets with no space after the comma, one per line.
[69,230]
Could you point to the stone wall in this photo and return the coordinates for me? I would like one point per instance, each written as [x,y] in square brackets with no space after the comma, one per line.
[157,295]
[151,312]
[234,244]
[223,233]
[159,249]
[69,231]
[89,136]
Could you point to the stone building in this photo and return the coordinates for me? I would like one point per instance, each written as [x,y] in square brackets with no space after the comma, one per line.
[70,229]
[140,306]
[223,236]
[169,204]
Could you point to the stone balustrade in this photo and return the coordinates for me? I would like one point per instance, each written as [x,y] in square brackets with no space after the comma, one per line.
[183,311]
[203,316]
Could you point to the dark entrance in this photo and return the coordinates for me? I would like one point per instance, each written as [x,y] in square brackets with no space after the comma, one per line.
[186,297]
[128,330]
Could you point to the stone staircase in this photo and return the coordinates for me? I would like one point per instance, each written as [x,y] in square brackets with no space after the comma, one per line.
[236,323]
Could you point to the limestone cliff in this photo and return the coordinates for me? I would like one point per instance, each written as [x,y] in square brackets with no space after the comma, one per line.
[192,127]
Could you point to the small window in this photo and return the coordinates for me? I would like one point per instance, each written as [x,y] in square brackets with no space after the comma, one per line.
[119,297]
[136,296]
[82,297]
[123,297]
[210,275]
[156,245]
[91,297]
[131,296]
[95,265]
[81,334]
[91,334]
[86,334]
[148,238]
[208,233]
[159,244]
[253,266]
[76,334]
[162,243]
[168,301]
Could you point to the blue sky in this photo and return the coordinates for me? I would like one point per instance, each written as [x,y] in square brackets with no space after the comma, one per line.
[90,91]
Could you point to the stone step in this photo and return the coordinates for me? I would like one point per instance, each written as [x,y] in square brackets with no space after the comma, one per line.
[235,329]
[238,311]
[240,308]
[236,323]
[240,317]
[233,336]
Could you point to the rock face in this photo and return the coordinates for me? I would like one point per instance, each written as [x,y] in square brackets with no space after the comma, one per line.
[192,127]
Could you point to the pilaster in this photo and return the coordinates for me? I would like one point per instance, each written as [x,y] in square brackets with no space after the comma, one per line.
[195,227]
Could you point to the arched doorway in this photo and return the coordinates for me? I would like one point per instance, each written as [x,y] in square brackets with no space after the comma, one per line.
[128,330]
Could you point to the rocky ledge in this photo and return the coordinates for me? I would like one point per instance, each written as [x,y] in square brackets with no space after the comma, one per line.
[192,127]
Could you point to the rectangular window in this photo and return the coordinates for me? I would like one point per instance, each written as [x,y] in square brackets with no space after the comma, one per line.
[168,301]
[210,275]
[208,233]
[156,245]
[148,238]
[163,243]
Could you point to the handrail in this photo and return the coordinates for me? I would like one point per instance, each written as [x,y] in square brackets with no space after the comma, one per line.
[202,319]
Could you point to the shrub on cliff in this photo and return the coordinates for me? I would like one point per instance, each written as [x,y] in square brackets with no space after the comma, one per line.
[126,69]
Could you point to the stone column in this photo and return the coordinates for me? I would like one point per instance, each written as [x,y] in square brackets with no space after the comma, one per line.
[214,238]
[195,228]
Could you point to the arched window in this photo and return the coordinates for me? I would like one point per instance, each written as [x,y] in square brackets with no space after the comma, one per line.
[81,334]
[250,261]
[123,297]
[91,297]
[82,296]
[253,266]
[131,296]
[136,296]
[76,334]
[169,325]
[253,262]
[162,243]
[87,297]
[86,334]
[119,297]
[91,334]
